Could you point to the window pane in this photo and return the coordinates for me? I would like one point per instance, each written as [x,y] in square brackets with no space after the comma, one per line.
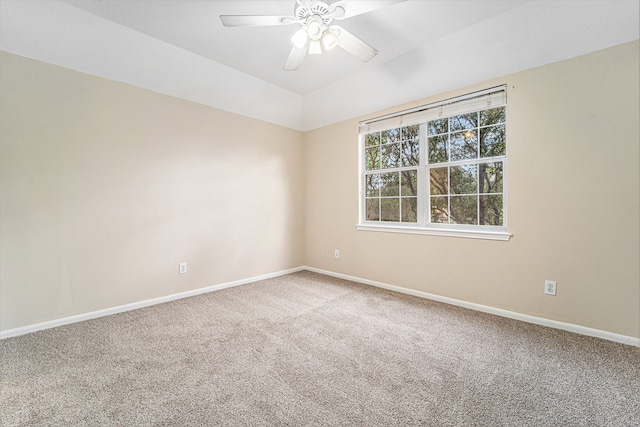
[373,209]
[411,132]
[492,116]
[410,150]
[391,135]
[390,209]
[409,183]
[372,158]
[490,177]
[464,145]
[438,149]
[390,156]
[463,121]
[436,127]
[464,179]
[439,181]
[372,139]
[464,209]
[390,184]
[409,209]
[492,141]
[439,209]
[491,210]
[373,184]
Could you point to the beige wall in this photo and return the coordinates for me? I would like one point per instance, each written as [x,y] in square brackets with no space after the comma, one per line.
[573,203]
[105,188]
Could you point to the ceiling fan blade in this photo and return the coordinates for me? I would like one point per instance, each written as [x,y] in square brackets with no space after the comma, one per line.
[295,58]
[255,20]
[353,44]
[353,8]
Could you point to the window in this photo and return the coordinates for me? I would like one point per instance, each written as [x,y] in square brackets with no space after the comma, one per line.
[438,169]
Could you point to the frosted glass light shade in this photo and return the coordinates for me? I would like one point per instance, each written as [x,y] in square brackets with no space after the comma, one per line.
[314,47]
[329,40]
[300,38]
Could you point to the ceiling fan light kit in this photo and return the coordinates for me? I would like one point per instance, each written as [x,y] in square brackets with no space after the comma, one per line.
[316,32]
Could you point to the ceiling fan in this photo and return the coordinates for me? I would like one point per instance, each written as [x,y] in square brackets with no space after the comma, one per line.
[317,31]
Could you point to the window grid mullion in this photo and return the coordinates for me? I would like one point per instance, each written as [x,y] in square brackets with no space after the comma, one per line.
[400,196]
[477,130]
[469,162]
[448,170]
[449,194]
[423,204]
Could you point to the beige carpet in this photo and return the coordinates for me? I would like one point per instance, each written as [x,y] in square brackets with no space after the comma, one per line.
[310,350]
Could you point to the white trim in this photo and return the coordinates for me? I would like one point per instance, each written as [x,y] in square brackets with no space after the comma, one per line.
[610,336]
[136,305]
[449,232]
[582,330]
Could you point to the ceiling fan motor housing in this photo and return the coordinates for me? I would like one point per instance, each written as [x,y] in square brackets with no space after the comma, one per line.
[311,8]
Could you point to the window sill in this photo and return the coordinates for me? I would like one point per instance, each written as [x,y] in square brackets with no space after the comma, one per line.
[485,234]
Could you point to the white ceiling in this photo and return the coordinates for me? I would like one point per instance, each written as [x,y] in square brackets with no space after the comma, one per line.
[180,48]
[262,51]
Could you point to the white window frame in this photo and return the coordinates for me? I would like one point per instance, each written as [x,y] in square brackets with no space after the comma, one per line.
[486,99]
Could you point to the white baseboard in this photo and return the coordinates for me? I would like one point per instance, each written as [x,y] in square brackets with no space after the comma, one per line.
[478,307]
[136,305]
[582,330]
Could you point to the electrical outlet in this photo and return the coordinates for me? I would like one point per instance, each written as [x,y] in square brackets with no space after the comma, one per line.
[183,268]
[550,287]
[337,253]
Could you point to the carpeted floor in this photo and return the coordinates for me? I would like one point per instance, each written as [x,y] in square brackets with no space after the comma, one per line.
[311,350]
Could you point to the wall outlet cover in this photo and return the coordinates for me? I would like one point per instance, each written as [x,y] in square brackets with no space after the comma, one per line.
[550,287]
